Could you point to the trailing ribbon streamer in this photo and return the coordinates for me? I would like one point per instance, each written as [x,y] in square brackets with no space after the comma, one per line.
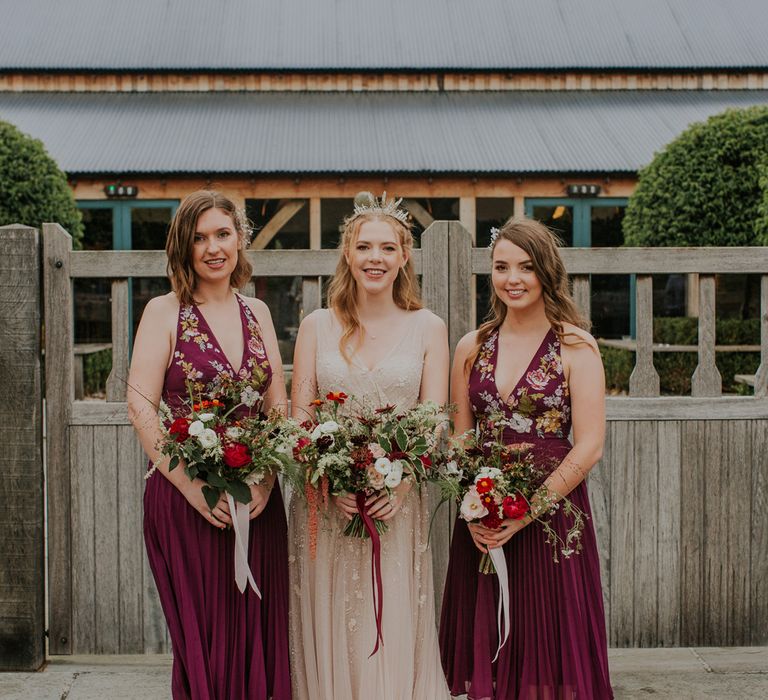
[500,564]
[241,522]
[376,585]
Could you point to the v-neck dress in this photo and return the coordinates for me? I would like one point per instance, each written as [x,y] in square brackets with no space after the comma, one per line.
[333,628]
[556,648]
[226,644]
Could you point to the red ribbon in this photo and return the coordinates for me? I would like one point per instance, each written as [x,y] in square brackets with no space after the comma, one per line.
[376,585]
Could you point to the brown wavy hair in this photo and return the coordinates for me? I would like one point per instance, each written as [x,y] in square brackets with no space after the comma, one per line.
[342,291]
[542,246]
[181,238]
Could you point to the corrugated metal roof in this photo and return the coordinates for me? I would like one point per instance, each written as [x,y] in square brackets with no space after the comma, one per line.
[358,133]
[382,34]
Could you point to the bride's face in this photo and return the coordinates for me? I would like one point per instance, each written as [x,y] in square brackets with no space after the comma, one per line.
[376,257]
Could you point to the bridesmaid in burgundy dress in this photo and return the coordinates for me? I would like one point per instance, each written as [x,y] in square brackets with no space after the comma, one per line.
[533,362]
[227,645]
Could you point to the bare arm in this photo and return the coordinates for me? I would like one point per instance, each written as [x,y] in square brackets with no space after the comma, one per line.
[463,417]
[151,354]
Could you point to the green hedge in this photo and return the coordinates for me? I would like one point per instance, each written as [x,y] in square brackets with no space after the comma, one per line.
[676,368]
[96,369]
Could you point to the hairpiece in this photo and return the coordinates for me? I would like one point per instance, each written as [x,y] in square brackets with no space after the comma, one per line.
[494,236]
[366,203]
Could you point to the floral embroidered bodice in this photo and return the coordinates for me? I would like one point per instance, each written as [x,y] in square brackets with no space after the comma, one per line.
[199,359]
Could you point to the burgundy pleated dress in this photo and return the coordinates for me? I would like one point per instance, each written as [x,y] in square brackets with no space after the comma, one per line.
[226,645]
[557,648]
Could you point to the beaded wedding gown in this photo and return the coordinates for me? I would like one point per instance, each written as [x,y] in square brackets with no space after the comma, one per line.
[332,624]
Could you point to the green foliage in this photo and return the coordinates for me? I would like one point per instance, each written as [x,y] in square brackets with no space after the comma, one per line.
[96,369]
[32,188]
[761,227]
[676,368]
[705,187]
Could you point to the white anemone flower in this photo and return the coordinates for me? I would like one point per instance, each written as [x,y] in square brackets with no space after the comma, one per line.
[395,475]
[383,465]
[472,507]
[195,428]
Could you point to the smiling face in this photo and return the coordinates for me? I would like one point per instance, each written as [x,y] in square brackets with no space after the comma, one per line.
[375,256]
[514,280]
[215,246]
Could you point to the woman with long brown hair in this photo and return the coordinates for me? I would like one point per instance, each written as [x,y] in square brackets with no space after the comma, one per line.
[534,364]
[378,345]
[226,644]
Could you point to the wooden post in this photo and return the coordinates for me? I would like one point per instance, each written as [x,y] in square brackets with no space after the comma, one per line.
[706,380]
[468,218]
[581,295]
[761,378]
[461,297]
[644,380]
[118,376]
[59,395]
[435,269]
[22,593]
[311,290]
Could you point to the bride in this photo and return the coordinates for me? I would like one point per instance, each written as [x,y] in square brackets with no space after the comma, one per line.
[379,345]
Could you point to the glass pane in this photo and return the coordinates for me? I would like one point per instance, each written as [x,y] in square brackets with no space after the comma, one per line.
[332,215]
[293,234]
[491,212]
[283,297]
[149,227]
[98,229]
[606,226]
[738,296]
[610,293]
[558,217]
[669,295]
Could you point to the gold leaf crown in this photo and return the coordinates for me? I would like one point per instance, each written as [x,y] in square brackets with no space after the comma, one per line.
[366,203]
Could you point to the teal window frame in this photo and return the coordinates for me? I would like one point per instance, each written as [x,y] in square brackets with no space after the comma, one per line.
[121,231]
[582,229]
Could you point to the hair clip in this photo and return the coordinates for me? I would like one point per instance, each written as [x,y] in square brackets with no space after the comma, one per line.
[494,236]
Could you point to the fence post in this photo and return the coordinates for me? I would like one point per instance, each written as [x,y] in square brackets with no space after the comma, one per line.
[59,396]
[22,597]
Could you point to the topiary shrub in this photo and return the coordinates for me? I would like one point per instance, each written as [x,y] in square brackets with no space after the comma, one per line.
[706,187]
[33,189]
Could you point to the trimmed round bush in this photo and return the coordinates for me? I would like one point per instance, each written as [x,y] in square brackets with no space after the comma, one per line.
[33,189]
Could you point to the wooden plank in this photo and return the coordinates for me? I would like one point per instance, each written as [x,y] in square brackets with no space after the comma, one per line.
[83,564]
[650,261]
[457,284]
[436,268]
[118,376]
[685,408]
[761,377]
[667,347]
[311,295]
[692,515]
[130,487]
[622,536]
[737,466]
[668,534]
[419,213]
[273,226]
[22,588]
[645,506]
[105,508]
[706,380]
[715,535]
[758,613]
[599,487]
[582,295]
[315,224]
[468,219]
[59,393]
[99,413]
[644,380]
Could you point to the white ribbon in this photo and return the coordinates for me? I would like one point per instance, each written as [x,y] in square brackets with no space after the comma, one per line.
[241,522]
[500,564]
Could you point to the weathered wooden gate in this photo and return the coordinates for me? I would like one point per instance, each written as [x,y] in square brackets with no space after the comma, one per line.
[680,498]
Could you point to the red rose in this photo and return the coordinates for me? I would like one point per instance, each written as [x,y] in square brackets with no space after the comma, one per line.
[515,507]
[492,521]
[179,429]
[236,455]
[484,485]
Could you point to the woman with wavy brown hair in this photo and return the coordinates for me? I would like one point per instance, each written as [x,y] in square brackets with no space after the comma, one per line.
[533,368]
[378,345]
[226,644]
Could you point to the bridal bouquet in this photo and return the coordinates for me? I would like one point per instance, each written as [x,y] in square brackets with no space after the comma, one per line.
[491,482]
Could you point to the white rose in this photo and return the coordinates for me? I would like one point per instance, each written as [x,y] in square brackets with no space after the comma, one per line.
[329,427]
[196,428]
[472,507]
[205,417]
[208,439]
[234,433]
[395,475]
[382,465]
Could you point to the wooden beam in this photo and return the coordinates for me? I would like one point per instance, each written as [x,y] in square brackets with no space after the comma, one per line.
[419,213]
[280,219]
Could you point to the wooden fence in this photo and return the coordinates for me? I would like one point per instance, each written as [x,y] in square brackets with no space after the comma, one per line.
[680,498]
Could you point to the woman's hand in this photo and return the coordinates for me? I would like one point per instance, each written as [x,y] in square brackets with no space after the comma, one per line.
[509,528]
[260,494]
[347,504]
[384,507]
[218,516]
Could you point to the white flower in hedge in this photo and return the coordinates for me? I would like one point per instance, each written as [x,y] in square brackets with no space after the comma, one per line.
[208,439]
[395,475]
[472,507]
[234,432]
[383,465]
[195,428]
[327,428]
[205,417]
